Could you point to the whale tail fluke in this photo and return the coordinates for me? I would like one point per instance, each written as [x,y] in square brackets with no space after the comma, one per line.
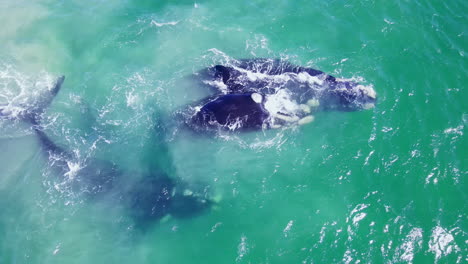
[32,114]
[46,100]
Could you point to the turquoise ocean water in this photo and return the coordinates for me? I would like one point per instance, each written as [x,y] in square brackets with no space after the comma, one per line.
[386,185]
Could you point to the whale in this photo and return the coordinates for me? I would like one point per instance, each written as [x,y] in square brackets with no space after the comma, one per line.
[147,196]
[261,93]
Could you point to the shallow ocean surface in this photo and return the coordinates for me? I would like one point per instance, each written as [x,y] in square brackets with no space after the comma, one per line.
[386,185]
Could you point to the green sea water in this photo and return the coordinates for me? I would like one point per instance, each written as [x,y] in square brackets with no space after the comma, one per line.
[386,185]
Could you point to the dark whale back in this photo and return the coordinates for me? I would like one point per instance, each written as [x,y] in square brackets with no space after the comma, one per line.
[231,112]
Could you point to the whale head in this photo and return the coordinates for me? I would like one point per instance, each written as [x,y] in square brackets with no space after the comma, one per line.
[348,96]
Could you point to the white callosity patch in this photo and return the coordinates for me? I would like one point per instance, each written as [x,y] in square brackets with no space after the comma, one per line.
[282,108]
[313,102]
[304,77]
[282,79]
[305,108]
[280,102]
[252,76]
[256,97]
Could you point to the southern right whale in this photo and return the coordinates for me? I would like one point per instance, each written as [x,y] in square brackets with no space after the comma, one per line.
[259,93]
[267,76]
[147,196]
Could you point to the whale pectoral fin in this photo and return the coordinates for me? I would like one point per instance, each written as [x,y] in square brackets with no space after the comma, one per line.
[222,71]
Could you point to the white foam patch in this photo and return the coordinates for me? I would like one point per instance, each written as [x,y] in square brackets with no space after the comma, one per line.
[56,250]
[305,77]
[281,106]
[368,106]
[259,43]
[357,214]
[234,125]
[281,102]
[131,99]
[261,143]
[358,217]
[161,24]
[219,85]
[288,228]
[242,248]
[218,57]
[412,242]
[256,76]
[442,243]
[455,130]
[19,90]
[367,90]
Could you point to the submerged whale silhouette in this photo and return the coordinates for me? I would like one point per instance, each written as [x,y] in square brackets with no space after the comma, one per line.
[254,94]
[147,196]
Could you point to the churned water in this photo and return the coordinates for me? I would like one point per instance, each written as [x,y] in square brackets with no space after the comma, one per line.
[386,185]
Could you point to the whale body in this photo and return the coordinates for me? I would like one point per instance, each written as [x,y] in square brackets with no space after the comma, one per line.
[147,196]
[259,93]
